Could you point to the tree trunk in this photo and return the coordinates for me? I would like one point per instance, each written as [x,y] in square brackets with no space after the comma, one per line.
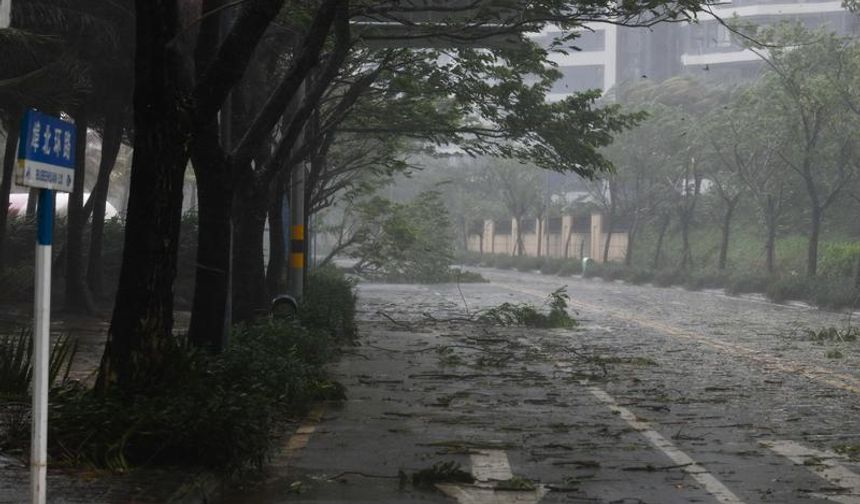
[609,225]
[814,233]
[208,327]
[32,199]
[110,149]
[518,244]
[770,246]
[664,226]
[540,233]
[9,155]
[567,243]
[465,234]
[140,336]
[277,247]
[77,299]
[631,240]
[726,230]
[686,255]
[249,278]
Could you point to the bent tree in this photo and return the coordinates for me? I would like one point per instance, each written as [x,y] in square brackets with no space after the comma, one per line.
[175,107]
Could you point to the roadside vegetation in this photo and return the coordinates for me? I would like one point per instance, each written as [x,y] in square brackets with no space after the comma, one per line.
[218,411]
[832,289]
[751,186]
[408,242]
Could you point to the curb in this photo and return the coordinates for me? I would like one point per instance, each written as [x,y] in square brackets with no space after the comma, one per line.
[203,488]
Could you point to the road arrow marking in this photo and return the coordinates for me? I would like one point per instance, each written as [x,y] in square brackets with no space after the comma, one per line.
[823,464]
[490,467]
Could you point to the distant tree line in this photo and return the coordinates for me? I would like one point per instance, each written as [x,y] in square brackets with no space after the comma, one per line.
[781,147]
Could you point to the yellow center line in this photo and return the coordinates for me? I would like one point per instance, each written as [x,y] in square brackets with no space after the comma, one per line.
[300,439]
[771,362]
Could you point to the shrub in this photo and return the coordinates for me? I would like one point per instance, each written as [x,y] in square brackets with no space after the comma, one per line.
[789,288]
[593,270]
[460,276]
[528,263]
[487,260]
[409,242]
[612,271]
[834,295]
[503,261]
[745,282]
[551,266]
[328,303]
[16,363]
[570,267]
[469,258]
[638,276]
[838,260]
[669,277]
[705,279]
[218,411]
[17,282]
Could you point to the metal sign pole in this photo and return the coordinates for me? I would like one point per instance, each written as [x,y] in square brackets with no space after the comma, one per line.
[41,345]
[45,160]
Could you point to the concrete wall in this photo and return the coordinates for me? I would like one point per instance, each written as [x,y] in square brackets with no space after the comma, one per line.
[553,244]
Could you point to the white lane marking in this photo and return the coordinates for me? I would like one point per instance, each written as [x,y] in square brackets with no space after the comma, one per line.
[822,463]
[711,484]
[491,465]
[488,468]
[478,495]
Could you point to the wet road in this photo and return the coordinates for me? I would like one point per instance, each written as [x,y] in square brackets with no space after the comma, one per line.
[658,396]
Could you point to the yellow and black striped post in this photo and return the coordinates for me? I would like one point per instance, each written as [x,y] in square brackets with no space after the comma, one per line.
[297,247]
[296,263]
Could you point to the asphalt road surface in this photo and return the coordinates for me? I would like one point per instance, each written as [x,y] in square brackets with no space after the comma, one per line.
[657,396]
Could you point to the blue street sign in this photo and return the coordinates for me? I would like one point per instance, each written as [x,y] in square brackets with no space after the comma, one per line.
[46,154]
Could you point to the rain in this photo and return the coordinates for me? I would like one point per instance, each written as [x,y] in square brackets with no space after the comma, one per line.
[464,251]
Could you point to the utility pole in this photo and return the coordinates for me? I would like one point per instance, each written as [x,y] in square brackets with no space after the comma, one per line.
[296,254]
[296,266]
